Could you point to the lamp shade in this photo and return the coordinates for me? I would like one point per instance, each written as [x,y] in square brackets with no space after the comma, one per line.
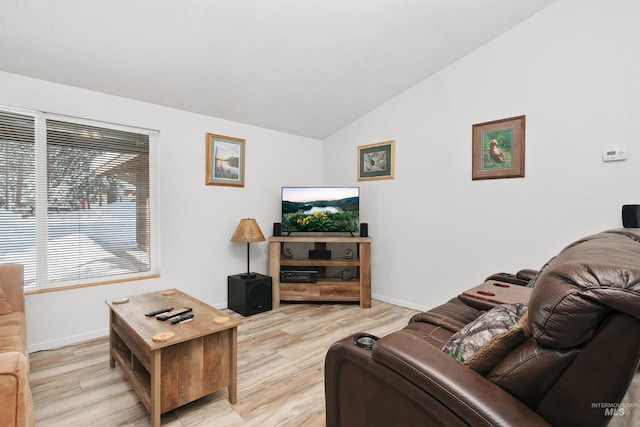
[247,232]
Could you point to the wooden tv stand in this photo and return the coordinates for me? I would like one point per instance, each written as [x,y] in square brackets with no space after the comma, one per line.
[327,287]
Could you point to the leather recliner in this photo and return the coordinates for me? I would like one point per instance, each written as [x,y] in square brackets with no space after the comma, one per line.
[574,369]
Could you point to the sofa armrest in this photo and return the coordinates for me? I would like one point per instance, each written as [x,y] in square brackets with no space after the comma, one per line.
[406,381]
[16,404]
[474,398]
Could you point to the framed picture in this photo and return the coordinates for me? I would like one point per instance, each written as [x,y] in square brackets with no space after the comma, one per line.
[498,149]
[375,161]
[225,160]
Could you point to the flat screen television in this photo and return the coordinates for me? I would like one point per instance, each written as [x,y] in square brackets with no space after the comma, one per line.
[320,209]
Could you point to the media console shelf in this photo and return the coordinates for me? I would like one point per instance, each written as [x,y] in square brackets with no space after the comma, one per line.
[326,287]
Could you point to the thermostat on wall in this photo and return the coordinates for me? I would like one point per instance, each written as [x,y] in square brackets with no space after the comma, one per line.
[614,154]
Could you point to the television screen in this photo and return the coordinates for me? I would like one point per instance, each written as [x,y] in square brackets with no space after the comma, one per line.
[324,209]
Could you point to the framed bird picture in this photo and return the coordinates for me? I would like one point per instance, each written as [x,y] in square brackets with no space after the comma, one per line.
[498,149]
[375,161]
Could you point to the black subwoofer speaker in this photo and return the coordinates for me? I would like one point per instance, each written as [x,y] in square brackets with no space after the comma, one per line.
[631,216]
[249,295]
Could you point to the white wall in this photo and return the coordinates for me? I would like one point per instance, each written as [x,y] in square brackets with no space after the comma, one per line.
[573,71]
[196,221]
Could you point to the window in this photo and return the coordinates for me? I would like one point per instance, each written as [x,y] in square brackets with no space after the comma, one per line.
[77,200]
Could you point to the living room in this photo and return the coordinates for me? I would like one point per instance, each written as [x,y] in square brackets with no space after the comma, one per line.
[571,69]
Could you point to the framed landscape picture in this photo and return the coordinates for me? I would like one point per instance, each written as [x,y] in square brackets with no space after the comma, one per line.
[498,149]
[375,161]
[225,160]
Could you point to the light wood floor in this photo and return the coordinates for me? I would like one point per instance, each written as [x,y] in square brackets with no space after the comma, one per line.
[280,373]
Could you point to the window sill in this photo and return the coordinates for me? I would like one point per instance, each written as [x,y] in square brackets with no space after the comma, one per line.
[36,291]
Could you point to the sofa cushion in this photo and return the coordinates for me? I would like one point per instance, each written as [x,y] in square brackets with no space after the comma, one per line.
[5,307]
[496,322]
[12,283]
[435,335]
[13,332]
[452,315]
[13,324]
[498,347]
[438,324]
[531,371]
[14,343]
[584,283]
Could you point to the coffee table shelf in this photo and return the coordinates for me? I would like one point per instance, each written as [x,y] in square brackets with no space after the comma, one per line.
[134,370]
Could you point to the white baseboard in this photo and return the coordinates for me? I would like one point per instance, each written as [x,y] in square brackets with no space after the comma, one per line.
[400,303]
[63,342]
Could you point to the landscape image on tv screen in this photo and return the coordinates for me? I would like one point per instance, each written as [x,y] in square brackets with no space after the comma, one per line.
[313,209]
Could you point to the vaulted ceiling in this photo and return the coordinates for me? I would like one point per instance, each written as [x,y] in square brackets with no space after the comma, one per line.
[305,67]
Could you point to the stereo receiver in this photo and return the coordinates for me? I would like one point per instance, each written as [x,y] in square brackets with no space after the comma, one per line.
[298,276]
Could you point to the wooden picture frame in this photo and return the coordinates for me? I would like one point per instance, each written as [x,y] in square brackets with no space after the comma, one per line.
[376,161]
[225,160]
[498,149]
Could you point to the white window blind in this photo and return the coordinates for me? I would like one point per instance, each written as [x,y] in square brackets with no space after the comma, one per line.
[17,192]
[78,203]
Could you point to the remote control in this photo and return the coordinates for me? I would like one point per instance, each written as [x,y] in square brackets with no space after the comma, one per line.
[162,310]
[173,314]
[182,319]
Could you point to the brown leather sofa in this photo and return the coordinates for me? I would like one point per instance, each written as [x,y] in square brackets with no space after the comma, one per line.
[573,369]
[16,404]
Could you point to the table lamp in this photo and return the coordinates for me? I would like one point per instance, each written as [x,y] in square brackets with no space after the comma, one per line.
[247,231]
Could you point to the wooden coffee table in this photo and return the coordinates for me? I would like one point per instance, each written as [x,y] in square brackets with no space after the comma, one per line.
[199,359]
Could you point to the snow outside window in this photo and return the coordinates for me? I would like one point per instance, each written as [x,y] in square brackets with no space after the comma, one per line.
[77,200]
